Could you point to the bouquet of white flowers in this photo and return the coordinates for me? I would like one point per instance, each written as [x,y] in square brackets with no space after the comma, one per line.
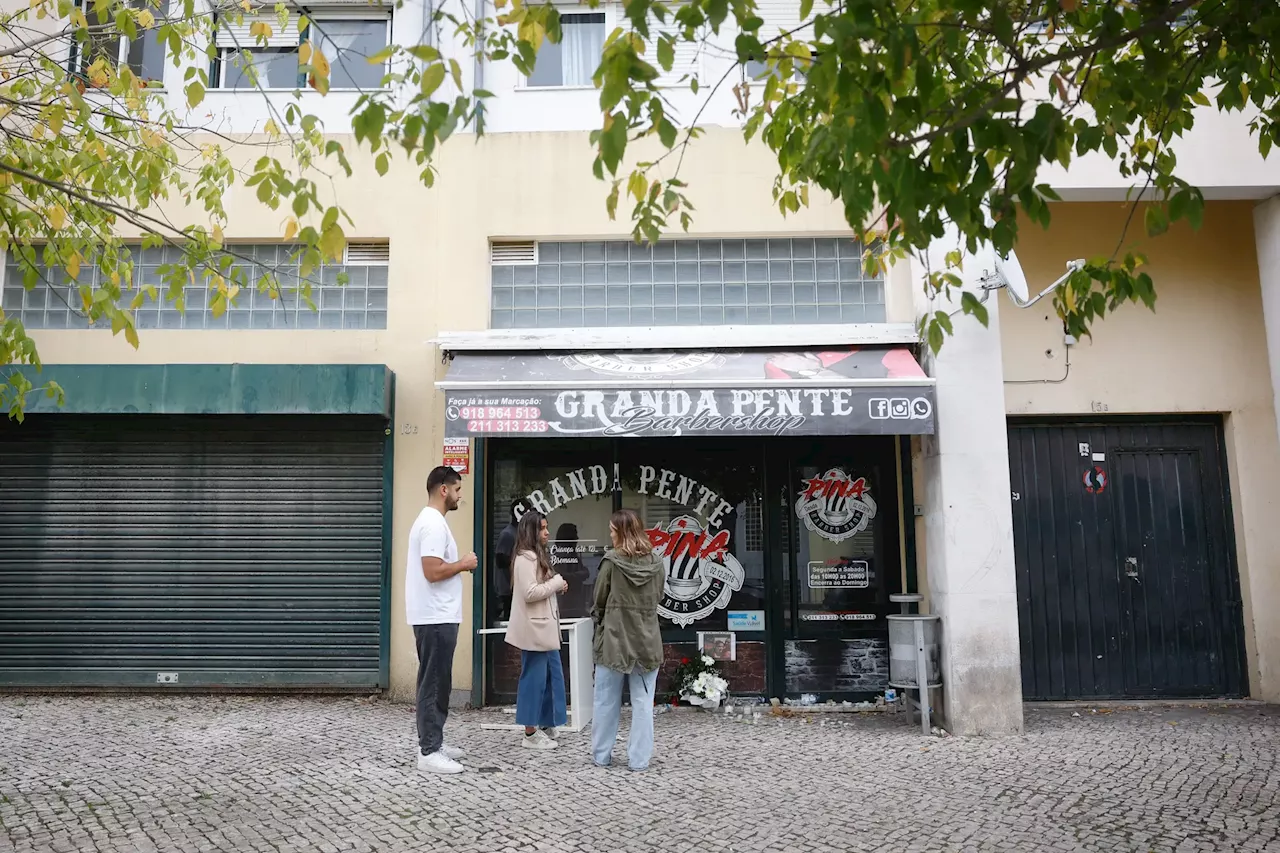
[701,682]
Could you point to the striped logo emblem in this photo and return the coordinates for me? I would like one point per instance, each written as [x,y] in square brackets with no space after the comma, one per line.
[701,574]
[835,505]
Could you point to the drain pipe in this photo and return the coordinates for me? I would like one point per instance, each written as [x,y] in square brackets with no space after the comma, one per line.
[477,81]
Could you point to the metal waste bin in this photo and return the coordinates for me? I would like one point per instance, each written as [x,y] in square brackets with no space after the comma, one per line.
[915,656]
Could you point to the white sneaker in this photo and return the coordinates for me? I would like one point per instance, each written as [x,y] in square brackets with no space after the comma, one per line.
[538,740]
[453,752]
[552,733]
[438,762]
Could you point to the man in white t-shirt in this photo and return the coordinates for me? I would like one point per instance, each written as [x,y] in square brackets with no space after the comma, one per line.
[433,606]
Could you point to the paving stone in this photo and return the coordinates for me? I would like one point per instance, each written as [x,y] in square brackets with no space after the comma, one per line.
[117,774]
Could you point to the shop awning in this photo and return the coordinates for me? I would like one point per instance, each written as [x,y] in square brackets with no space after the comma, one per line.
[828,391]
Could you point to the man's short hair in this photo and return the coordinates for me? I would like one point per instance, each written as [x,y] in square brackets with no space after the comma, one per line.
[442,476]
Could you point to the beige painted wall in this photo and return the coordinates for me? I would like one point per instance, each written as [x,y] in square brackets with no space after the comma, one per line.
[1202,350]
[509,185]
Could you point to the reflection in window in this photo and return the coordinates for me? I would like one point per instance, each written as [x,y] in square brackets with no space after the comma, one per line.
[570,482]
[572,61]
[699,501]
[144,55]
[347,38]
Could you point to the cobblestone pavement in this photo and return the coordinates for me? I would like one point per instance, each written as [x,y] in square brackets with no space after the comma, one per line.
[290,774]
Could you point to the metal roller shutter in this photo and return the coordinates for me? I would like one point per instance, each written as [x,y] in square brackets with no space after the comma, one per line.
[230,551]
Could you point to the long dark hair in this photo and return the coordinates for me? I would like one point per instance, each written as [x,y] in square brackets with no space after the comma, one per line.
[529,539]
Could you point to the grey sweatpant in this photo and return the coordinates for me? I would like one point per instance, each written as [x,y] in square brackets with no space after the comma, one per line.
[436,644]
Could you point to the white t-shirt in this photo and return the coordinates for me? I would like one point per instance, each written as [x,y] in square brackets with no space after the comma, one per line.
[428,603]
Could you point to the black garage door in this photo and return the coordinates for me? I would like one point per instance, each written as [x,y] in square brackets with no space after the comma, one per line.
[1127,582]
[218,551]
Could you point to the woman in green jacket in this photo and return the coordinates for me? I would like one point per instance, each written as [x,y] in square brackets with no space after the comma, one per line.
[628,641]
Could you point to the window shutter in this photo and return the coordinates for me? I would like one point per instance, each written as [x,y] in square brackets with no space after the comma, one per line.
[781,16]
[523,252]
[368,253]
[232,35]
[687,61]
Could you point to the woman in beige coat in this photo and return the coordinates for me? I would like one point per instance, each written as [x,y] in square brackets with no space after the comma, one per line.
[535,630]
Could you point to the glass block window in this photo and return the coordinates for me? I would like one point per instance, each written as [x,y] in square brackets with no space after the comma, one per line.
[793,280]
[359,304]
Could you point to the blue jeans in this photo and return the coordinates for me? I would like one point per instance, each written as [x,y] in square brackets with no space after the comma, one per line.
[540,696]
[607,710]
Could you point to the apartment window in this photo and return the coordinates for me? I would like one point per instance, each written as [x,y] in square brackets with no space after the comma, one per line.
[144,55]
[359,304]
[346,36]
[572,61]
[793,280]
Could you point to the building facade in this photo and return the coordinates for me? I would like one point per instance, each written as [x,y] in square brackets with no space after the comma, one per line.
[228,504]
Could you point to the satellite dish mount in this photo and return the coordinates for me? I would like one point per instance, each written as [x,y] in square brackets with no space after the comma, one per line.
[1008,274]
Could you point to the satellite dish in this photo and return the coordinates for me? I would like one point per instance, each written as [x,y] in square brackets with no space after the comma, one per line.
[1015,280]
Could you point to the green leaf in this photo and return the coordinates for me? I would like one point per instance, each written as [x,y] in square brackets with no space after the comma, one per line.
[1156,220]
[432,76]
[1195,209]
[666,53]
[195,94]
[935,336]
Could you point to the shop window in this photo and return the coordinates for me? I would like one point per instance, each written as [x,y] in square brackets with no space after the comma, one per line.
[360,303]
[697,499]
[688,493]
[571,482]
[765,281]
[347,37]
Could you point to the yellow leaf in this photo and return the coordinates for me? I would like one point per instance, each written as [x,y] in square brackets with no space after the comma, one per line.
[272,128]
[57,217]
[146,20]
[232,291]
[319,64]
[131,335]
[332,242]
[304,53]
[73,265]
[217,234]
[291,229]
[260,29]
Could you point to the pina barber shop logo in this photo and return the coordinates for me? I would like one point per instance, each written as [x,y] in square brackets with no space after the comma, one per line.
[640,364]
[835,506]
[701,574]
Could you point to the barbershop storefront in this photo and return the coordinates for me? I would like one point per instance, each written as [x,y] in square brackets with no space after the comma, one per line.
[776,486]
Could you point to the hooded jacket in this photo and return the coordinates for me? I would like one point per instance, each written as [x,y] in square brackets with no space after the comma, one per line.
[625,613]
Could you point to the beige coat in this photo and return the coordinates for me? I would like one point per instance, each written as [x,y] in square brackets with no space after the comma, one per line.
[535,614]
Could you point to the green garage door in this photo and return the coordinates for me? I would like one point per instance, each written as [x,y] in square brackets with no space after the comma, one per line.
[235,551]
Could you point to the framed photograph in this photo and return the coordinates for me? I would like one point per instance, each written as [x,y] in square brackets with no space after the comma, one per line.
[718,645]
